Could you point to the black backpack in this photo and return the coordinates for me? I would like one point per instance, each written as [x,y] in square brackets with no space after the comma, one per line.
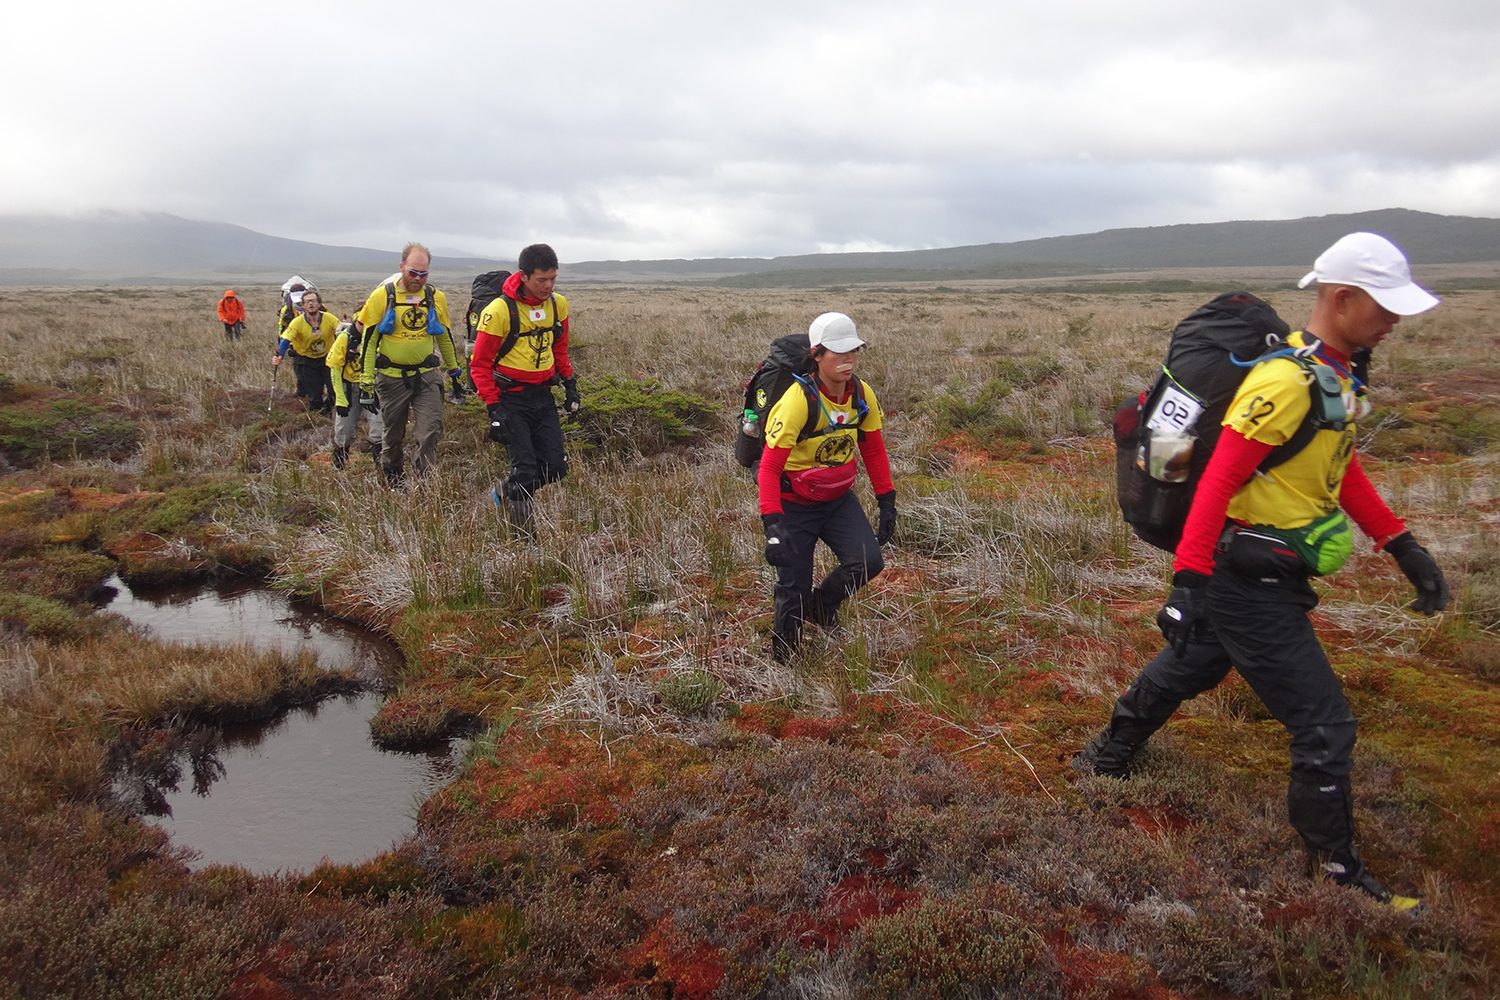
[789,363]
[486,288]
[1165,436]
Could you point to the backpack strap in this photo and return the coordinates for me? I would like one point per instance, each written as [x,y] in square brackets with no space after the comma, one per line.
[862,410]
[514,334]
[1315,421]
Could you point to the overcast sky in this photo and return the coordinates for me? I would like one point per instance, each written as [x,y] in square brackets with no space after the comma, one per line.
[691,129]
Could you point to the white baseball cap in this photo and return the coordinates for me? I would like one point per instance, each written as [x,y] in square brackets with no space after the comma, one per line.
[835,331]
[1375,264]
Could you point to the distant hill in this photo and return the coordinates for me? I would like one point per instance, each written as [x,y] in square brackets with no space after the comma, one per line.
[152,248]
[1427,238]
[36,249]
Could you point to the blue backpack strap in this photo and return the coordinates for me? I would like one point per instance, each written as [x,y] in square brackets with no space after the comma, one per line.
[862,409]
[388,321]
[434,325]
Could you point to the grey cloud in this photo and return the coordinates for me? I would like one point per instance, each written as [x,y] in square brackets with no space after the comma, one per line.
[669,129]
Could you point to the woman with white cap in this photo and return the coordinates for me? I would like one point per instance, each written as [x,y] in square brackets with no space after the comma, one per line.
[1240,595]
[805,481]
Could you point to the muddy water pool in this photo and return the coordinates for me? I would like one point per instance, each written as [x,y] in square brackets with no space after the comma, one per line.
[308,783]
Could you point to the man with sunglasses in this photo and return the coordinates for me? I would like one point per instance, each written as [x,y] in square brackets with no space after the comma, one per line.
[408,355]
[805,482]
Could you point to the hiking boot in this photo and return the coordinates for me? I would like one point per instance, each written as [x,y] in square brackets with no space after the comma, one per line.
[375,452]
[821,615]
[1104,757]
[1355,875]
[340,456]
[517,512]
[782,651]
[395,480]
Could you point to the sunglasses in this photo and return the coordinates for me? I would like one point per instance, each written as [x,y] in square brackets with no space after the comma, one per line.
[415,273]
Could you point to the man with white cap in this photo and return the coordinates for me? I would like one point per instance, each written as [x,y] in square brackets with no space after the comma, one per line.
[805,481]
[1240,594]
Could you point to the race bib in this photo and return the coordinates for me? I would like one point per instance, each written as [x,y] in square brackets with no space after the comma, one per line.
[1175,411]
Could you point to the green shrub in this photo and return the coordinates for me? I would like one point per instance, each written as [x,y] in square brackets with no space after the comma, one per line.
[690,693]
[945,948]
[624,417]
[37,616]
[957,409]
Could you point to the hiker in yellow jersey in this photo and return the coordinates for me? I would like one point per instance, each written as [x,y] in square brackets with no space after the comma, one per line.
[1240,595]
[346,368]
[308,338]
[815,435]
[408,354]
[520,352]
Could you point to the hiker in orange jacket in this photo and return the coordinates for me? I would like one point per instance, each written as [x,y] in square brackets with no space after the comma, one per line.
[232,315]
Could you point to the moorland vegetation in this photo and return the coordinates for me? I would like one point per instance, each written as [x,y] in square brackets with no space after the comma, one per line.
[650,807]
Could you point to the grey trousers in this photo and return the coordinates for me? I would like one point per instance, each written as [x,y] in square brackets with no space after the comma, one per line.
[422,396]
[346,427]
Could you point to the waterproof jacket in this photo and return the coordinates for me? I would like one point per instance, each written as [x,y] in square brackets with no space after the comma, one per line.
[231,309]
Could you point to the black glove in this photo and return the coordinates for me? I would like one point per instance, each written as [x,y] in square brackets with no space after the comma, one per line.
[887,528]
[499,423]
[778,549]
[459,390]
[342,411]
[1181,618]
[368,401]
[1422,570]
[571,400]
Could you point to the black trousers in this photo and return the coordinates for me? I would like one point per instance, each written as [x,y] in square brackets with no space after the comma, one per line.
[843,527]
[534,441]
[313,382]
[1260,627]
[233,330]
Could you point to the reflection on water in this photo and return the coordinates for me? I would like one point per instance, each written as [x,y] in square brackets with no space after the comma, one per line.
[307,784]
[224,615]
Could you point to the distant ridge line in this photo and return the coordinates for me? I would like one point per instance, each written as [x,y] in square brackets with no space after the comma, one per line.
[43,249]
[1426,237]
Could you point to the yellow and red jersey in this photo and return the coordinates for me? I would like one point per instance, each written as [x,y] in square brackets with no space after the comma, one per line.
[540,348]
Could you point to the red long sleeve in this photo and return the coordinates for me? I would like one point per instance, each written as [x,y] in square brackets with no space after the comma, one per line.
[482,367]
[877,462]
[1360,501]
[1234,461]
[768,479]
[560,352]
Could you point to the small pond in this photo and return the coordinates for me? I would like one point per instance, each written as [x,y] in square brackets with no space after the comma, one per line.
[308,783]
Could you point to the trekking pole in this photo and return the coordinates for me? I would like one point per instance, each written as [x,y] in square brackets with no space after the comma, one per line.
[272,398]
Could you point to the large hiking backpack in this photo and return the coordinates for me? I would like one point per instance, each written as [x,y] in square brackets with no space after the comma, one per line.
[789,363]
[1165,436]
[486,288]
